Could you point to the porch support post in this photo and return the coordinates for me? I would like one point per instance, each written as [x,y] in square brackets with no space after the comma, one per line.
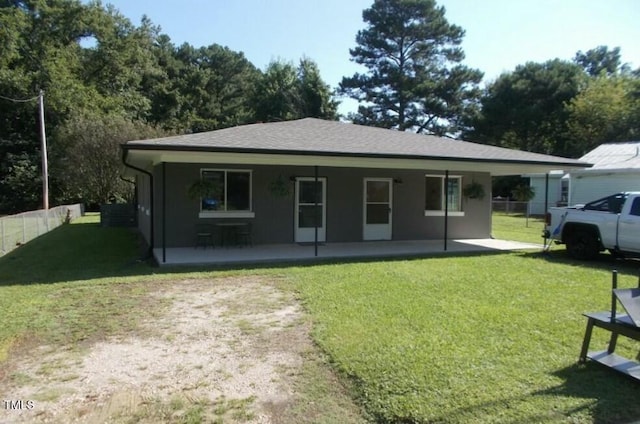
[546,201]
[317,217]
[446,208]
[164,212]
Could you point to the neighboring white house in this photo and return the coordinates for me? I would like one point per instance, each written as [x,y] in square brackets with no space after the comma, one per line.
[558,191]
[616,168]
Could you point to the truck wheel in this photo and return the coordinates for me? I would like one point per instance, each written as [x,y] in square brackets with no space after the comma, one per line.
[582,245]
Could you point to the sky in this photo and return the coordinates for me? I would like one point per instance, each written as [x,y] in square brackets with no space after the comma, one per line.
[500,34]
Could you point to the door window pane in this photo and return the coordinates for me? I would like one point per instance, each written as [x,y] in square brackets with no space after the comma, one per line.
[307,215]
[308,193]
[377,213]
[377,191]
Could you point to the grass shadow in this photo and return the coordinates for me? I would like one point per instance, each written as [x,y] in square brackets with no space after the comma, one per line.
[84,250]
[79,251]
[603,262]
[602,395]
[610,392]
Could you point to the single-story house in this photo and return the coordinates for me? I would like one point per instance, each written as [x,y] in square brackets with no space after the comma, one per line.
[317,181]
[616,168]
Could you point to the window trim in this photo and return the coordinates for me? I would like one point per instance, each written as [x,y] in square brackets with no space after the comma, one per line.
[226,213]
[441,212]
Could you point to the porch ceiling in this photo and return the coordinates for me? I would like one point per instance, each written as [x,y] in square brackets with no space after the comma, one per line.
[147,158]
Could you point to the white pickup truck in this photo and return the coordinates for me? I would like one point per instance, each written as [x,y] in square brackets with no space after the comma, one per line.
[611,223]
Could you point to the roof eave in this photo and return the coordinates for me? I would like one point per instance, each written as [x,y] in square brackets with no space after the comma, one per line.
[569,165]
[595,171]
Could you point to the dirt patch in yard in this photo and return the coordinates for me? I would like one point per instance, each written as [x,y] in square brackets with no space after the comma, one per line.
[225,350]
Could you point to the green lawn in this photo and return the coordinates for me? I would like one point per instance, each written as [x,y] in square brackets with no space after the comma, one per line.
[64,286]
[490,338]
[517,227]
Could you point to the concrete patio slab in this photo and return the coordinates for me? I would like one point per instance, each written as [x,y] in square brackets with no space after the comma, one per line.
[295,252]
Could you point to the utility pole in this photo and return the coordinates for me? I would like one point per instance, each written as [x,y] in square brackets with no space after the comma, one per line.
[45,169]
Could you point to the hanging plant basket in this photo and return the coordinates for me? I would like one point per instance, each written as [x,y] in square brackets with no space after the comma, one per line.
[474,190]
[279,187]
[202,189]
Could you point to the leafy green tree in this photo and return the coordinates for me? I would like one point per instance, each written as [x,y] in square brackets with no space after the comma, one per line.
[200,89]
[523,193]
[525,109]
[276,93]
[601,61]
[227,83]
[95,65]
[316,100]
[41,53]
[20,177]
[607,110]
[415,79]
[162,87]
[283,93]
[86,58]
[115,66]
[90,163]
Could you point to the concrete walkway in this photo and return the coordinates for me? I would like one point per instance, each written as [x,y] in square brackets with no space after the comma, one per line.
[295,252]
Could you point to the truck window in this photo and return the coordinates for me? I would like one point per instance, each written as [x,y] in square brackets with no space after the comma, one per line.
[635,207]
[611,204]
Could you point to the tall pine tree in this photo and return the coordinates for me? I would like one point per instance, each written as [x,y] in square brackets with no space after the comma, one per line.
[415,79]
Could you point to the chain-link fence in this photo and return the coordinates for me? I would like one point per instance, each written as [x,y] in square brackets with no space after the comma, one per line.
[532,208]
[16,230]
[510,207]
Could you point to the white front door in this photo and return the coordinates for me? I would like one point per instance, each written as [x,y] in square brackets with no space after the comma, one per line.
[311,207]
[378,199]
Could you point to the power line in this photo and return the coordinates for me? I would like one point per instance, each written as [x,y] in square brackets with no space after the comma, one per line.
[19,100]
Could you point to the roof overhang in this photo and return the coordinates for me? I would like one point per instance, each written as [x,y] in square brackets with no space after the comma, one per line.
[605,171]
[551,174]
[146,157]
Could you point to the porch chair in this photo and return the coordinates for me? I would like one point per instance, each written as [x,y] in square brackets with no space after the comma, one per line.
[243,235]
[204,236]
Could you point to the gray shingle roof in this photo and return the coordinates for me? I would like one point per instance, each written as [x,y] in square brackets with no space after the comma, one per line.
[311,136]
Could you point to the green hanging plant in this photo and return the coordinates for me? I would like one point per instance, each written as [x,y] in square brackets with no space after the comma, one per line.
[202,189]
[279,187]
[474,190]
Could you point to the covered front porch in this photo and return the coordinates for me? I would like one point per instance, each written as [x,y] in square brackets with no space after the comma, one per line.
[307,253]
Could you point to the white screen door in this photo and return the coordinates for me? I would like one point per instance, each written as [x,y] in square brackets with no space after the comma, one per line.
[306,213]
[378,198]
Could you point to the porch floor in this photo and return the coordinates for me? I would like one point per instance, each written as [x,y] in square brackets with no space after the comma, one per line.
[295,252]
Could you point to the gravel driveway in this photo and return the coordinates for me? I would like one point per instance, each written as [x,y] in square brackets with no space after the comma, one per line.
[224,350]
